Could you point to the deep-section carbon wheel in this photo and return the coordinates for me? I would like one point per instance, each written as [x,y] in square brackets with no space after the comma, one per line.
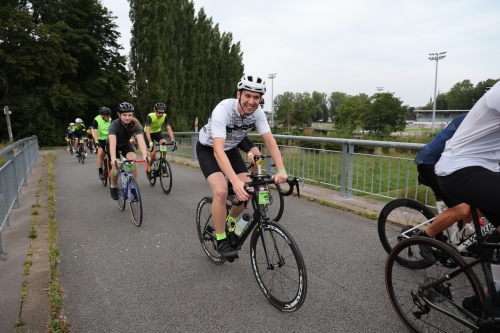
[105,172]
[284,280]
[276,207]
[165,177]
[398,216]
[121,196]
[206,231]
[409,299]
[135,201]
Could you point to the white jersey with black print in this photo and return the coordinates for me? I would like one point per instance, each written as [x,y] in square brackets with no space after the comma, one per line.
[226,122]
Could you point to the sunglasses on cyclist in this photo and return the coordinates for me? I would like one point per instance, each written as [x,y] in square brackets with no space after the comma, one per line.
[160,111]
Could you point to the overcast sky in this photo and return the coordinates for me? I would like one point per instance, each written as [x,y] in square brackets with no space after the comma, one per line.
[355,46]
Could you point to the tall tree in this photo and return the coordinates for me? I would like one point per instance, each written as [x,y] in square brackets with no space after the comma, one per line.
[385,115]
[334,100]
[321,100]
[351,112]
[460,96]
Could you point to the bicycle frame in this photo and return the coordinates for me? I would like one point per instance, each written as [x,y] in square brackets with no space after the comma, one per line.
[485,263]
[259,182]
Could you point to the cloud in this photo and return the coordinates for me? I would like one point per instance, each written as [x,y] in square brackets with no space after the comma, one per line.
[357,45]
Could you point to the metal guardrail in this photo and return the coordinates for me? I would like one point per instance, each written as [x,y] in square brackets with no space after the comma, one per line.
[344,170]
[19,157]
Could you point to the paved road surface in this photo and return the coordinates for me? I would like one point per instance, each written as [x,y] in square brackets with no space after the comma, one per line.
[156,278]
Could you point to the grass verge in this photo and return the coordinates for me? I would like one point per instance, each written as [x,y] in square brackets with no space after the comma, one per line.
[58,322]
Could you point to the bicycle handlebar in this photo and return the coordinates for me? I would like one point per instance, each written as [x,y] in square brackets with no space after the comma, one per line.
[266,179]
[127,162]
[164,144]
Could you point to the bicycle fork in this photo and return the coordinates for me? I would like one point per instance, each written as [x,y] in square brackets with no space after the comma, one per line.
[265,243]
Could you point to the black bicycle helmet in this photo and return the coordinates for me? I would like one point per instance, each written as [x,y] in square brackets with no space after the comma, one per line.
[160,106]
[125,107]
[105,110]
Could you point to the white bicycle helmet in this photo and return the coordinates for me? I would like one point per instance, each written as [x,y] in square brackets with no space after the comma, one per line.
[71,124]
[78,120]
[252,83]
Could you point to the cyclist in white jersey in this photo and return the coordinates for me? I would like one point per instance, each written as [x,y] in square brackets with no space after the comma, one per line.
[218,154]
[469,170]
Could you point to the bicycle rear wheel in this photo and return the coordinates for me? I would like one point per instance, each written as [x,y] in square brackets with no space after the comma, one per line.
[398,216]
[152,173]
[408,299]
[121,195]
[165,177]
[79,152]
[206,231]
[135,201]
[284,282]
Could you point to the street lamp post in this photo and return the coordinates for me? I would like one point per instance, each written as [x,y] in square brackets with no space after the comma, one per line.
[272,76]
[437,57]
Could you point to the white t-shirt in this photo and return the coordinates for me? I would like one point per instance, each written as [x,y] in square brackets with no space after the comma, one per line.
[226,122]
[477,140]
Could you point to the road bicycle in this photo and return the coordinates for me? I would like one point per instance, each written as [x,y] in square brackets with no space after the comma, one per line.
[128,190]
[437,297]
[161,169]
[403,218]
[276,204]
[80,152]
[276,260]
[70,146]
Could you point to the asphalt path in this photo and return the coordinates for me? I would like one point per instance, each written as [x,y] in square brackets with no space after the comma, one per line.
[118,277]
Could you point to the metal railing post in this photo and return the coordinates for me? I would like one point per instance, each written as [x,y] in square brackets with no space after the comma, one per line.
[349,173]
[343,172]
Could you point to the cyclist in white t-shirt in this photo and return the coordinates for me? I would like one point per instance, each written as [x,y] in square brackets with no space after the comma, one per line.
[218,154]
[468,168]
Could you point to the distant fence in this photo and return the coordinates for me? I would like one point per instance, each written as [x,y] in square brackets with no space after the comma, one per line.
[341,167]
[17,159]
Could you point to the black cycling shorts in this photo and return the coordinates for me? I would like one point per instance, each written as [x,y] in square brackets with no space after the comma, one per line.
[427,172]
[477,187]
[124,149]
[158,136]
[209,165]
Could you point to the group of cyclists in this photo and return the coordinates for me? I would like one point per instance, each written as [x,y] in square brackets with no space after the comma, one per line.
[460,164]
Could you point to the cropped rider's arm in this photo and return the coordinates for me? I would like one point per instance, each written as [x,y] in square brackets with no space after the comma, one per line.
[148,131]
[112,149]
[227,169]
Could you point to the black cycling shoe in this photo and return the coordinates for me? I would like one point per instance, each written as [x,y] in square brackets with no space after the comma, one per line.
[426,250]
[148,176]
[226,250]
[472,305]
[102,176]
[114,192]
[134,194]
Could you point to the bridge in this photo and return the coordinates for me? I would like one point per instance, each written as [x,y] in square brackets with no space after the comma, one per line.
[118,277]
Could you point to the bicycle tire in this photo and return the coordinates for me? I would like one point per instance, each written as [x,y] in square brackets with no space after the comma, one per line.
[288,267]
[276,207]
[135,204]
[121,195]
[403,289]
[165,179]
[83,157]
[397,216]
[79,154]
[105,171]
[152,174]
[71,150]
[206,230]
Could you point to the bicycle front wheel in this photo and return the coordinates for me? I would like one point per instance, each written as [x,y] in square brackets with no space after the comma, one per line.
[398,216]
[165,176]
[206,231]
[121,195]
[420,308]
[283,280]
[277,204]
[135,201]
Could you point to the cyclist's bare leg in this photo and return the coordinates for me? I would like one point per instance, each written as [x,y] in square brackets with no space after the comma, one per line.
[218,184]
[237,210]
[75,144]
[132,156]
[100,157]
[446,219]
[164,154]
